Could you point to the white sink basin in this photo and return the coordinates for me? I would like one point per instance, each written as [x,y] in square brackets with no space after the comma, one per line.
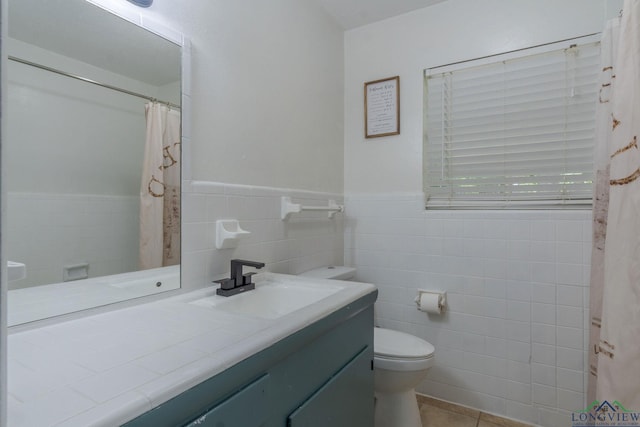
[272,299]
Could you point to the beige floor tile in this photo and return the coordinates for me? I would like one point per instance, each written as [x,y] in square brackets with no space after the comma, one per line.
[432,416]
[488,420]
[451,407]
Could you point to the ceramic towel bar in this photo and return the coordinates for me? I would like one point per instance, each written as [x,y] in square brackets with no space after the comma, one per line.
[288,208]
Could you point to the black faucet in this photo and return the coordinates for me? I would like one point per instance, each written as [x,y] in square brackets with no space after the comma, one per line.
[238,282]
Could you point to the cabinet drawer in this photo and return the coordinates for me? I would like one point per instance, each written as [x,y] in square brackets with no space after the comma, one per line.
[346,400]
[247,408]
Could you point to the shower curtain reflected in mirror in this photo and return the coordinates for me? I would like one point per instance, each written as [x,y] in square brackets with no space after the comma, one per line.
[615,270]
[160,188]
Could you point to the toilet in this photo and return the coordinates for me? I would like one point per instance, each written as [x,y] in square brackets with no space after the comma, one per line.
[401,361]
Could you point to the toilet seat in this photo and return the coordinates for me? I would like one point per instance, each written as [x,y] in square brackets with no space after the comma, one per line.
[398,351]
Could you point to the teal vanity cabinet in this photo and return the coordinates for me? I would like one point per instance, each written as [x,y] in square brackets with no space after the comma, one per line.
[319,376]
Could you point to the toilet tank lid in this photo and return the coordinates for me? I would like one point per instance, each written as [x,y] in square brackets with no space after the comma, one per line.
[336,272]
[390,343]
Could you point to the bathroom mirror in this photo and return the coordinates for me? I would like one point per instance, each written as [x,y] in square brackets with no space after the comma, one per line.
[90,97]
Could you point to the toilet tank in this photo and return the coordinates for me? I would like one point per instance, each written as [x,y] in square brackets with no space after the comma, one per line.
[331,272]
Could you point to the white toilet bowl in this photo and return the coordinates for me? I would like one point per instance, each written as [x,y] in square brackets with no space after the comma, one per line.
[401,362]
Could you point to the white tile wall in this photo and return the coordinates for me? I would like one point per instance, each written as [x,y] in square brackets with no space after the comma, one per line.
[49,231]
[512,341]
[303,242]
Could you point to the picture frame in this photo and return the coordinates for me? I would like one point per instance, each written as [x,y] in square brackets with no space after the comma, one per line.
[382,107]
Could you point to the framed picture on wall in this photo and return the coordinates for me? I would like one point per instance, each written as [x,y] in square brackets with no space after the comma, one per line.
[382,107]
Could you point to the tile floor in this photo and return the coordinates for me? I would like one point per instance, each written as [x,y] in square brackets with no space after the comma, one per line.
[436,413]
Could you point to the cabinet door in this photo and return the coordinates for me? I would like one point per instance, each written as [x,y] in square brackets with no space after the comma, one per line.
[246,408]
[346,400]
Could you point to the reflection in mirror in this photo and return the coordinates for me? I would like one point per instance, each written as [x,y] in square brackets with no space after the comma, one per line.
[93,170]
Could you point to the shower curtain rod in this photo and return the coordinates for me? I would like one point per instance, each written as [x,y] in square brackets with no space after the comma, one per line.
[84,79]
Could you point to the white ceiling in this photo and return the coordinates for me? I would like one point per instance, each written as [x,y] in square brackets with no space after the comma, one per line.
[77,29]
[80,30]
[355,13]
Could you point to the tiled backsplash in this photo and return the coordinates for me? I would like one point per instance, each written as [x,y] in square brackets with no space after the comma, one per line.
[513,339]
[49,231]
[304,241]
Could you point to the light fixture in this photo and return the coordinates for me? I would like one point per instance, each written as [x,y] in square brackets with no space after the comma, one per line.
[142,3]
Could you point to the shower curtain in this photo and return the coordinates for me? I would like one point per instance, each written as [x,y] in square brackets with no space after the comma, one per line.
[615,278]
[160,189]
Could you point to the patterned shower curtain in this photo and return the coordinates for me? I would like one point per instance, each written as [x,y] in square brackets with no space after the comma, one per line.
[160,189]
[615,278]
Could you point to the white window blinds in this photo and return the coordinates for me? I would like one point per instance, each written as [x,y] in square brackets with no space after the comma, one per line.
[514,133]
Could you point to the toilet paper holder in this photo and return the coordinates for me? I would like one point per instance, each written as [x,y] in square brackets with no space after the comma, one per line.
[433,302]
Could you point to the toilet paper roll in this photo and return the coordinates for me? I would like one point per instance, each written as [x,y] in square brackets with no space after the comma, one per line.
[431,302]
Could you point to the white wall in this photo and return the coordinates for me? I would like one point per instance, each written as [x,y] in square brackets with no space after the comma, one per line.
[267,91]
[454,30]
[265,85]
[303,242]
[513,341]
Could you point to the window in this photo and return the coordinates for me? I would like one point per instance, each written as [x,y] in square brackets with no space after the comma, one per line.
[516,132]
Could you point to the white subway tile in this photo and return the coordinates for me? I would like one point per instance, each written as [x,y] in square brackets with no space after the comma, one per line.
[511,276]
[543,313]
[496,347]
[570,400]
[543,251]
[521,411]
[569,252]
[519,270]
[570,337]
[543,333]
[495,268]
[496,328]
[519,351]
[495,229]
[519,250]
[544,395]
[543,293]
[519,331]
[496,288]
[473,247]
[569,231]
[473,343]
[495,248]
[519,291]
[194,208]
[543,230]
[519,310]
[520,392]
[544,354]
[452,228]
[543,374]
[552,417]
[518,229]
[569,358]
[519,371]
[570,295]
[569,316]
[570,380]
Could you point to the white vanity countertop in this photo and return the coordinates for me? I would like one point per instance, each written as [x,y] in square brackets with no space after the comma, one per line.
[108,368]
